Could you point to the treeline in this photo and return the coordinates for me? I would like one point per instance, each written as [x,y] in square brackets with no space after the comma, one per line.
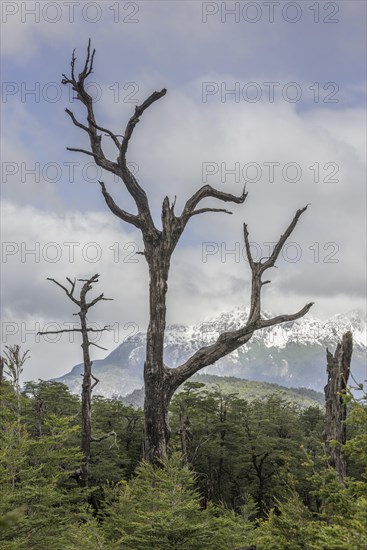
[241,475]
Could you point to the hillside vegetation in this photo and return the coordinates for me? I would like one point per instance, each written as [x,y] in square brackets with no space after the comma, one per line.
[245,389]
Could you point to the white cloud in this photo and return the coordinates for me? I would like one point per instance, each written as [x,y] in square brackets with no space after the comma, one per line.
[170,144]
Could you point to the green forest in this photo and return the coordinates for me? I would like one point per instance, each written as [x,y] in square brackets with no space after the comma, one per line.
[241,473]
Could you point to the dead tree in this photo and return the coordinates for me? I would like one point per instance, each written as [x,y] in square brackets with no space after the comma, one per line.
[87,385]
[14,361]
[159,244]
[338,369]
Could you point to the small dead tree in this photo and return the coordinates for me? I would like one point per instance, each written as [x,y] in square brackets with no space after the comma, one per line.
[87,385]
[338,369]
[13,361]
[159,245]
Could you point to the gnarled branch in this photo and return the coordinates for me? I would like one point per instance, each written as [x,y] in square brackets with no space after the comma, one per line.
[115,209]
[69,293]
[139,110]
[120,167]
[230,341]
[207,191]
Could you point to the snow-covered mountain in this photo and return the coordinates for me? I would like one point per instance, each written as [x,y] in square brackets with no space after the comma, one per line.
[292,354]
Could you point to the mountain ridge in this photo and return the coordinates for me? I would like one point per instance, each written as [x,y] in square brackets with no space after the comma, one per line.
[290,354]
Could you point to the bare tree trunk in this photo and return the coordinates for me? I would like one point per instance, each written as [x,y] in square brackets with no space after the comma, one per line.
[338,369]
[86,401]
[156,375]
[156,426]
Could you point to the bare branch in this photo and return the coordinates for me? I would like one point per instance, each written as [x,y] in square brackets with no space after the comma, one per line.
[76,122]
[135,190]
[88,67]
[76,150]
[209,192]
[96,381]
[226,343]
[248,248]
[68,292]
[105,328]
[122,214]
[258,268]
[263,323]
[278,247]
[59,331]
[72,284]
[83,96]
[203,210]
[108,132]
[208,355]
[93,279]
[98,299]
[120,167]
[230,341]
[139,110]
[98,346]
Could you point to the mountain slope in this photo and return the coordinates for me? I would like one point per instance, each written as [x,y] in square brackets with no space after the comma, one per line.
[292,354]
[245,389]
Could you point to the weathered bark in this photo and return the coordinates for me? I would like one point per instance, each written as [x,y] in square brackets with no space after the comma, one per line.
[338,369]
[86,398]
[156,375]
[87,385]
[156,426]
[161,381]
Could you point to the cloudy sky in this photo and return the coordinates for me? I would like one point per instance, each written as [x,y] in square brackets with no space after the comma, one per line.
[265,93]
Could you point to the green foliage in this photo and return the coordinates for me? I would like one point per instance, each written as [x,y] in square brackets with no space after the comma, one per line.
[46,398]
[339,522]
[286,527]
[356,445]
[115,457]
[262,476]
[161,509]
[8,403]
[291,526]
[252,390]
[85,535]
[242,448]
[35,477]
